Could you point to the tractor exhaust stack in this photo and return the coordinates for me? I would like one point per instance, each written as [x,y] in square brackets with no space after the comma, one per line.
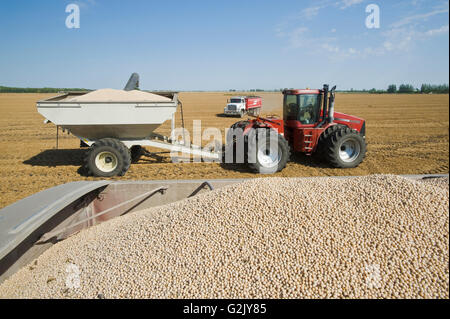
[331,105]
[324,110]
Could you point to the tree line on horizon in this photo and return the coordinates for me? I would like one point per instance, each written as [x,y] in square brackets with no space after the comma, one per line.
[424,88]
[403,88]
[7,89]
[408,88]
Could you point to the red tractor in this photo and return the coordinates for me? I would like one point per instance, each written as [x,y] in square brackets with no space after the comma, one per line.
[309,125]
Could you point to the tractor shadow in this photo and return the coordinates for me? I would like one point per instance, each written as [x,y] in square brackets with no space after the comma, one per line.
[297,158]
[309,161]
[241,168]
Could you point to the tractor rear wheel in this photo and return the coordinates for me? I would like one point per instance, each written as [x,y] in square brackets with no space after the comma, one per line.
[108,157]
[322,143]
[345,148]
[268,151]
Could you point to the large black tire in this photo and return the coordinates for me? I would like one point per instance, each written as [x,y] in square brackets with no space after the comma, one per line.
[231,142]
[266,162]
[320,152]
[107,157]
[345,148]
[136,152]
[240,124]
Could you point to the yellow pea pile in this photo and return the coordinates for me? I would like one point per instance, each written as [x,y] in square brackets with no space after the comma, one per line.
[366,237]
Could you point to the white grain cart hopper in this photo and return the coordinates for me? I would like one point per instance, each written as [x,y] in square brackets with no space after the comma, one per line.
[116,130]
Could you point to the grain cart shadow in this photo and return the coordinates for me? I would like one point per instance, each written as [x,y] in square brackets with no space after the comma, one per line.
[154,157]
[53,158]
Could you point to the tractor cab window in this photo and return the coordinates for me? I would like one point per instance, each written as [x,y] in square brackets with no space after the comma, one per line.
[309,108]
[304,108]
[290,107]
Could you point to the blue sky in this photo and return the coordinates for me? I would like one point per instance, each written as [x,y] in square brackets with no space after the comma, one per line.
[219,45]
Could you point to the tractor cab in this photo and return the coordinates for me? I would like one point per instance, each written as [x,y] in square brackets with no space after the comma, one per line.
[302,107]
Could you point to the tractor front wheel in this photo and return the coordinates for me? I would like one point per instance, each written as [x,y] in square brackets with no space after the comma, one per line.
[108,157]
[345,148]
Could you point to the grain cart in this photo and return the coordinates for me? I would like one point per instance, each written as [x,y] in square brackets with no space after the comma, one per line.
[309,125]
[241,105]
[116,130]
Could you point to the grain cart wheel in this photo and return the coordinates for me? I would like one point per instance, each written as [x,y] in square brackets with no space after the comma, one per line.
[345,148]
[136,152]
[108,157]
[268,151]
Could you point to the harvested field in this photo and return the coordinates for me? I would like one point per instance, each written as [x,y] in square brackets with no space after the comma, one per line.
[378,236]
[406,134]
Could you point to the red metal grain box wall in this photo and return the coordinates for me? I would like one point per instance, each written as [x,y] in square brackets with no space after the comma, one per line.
[252,102]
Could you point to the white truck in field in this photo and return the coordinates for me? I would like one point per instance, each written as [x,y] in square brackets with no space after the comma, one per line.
[241,105]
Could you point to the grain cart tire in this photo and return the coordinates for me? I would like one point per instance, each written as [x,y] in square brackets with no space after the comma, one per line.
[345,148]
[108,157]
[136,152]
[261,157]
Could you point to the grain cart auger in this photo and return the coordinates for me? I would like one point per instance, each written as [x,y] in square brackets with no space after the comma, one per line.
[309,125]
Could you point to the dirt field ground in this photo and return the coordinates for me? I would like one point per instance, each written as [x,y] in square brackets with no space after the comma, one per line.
[406,134]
